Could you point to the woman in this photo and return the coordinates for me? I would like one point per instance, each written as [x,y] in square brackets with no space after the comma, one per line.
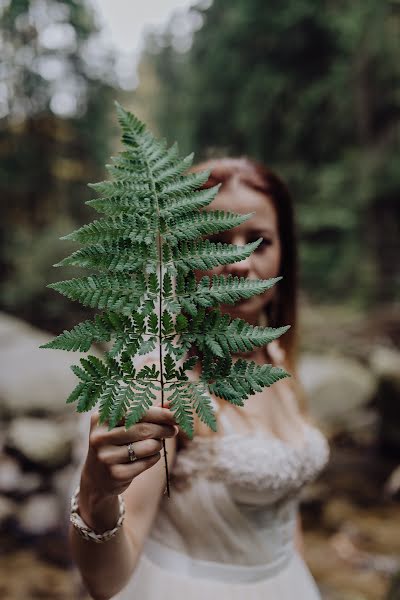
[229,529]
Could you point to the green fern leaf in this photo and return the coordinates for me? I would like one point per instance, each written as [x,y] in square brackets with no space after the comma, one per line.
[144,251]
[207,255]
[193,225]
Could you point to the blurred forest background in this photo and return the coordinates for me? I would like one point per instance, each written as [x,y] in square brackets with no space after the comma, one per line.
[311,88]
[313,92]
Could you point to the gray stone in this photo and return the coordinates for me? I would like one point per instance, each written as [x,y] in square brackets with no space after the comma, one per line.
[42,442]
[33,379]
[338,389]
[39,514]
[16,482]
[385,363]
[10,474]
[8,509]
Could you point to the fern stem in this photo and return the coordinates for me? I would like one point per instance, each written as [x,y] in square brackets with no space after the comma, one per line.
[160,262]
[161,360]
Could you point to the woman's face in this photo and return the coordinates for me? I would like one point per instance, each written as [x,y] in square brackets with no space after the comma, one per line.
[264,262]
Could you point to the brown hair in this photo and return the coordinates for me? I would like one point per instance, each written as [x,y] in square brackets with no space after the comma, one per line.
[283,309]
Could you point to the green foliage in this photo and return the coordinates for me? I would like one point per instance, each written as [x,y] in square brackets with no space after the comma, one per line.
[311,89]
[146,250]
[48,154]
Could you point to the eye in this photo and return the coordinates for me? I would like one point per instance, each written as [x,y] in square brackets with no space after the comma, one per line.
[263,244]
[215,239]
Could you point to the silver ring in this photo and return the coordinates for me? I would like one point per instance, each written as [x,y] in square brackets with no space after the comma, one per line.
[131,453]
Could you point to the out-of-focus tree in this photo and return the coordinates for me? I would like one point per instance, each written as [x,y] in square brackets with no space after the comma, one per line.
[312,89]
[55,100]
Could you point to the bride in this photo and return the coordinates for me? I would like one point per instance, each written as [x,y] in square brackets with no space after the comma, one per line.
[230,529]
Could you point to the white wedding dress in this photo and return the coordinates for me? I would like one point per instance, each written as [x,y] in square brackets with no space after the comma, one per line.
[227,531]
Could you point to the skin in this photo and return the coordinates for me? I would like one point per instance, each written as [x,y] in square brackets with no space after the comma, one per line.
[107,472]
[264,262]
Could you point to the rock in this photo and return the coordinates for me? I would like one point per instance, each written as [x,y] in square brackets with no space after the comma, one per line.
[385,363]
[39,515]
[8,509]
[62,483]
[392,485]
[41,442]
[338,390]
[16,483]
[61,480]
[33,380]
[10,474]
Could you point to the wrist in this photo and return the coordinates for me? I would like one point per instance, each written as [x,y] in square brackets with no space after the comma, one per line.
[98,509]
[87,531]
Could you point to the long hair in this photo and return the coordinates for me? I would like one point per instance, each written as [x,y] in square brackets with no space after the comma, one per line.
[283,309]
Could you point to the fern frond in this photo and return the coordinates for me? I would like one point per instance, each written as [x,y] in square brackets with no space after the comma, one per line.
[144,251]
[119,204]
[183,185]
[180,404]
[83,335]
[245,379]
[120,256]
[132,227]
[119,187]
[182,205]
[170,173]
[165,160]
[117,293]
[193,225]
[229,289]
[207,255]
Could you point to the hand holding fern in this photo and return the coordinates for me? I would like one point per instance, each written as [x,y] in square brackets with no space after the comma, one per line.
[107,470]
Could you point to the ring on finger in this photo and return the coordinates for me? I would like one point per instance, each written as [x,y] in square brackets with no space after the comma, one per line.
[131,453]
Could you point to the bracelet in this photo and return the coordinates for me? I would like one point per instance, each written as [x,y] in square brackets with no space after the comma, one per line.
[84,530]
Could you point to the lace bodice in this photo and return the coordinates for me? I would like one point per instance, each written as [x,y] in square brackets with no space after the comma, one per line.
[234,498]
[257,467]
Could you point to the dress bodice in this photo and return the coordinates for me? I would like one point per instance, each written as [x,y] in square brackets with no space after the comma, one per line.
[234,497]
[258,468]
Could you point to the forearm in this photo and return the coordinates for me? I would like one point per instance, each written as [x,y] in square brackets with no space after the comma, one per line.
[105,568]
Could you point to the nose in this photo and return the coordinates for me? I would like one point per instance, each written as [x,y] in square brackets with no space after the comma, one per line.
[241,268]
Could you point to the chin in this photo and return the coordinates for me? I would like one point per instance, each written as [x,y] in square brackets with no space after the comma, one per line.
[243,310]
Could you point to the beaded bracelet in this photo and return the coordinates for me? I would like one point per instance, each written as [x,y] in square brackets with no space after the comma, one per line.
[85,531]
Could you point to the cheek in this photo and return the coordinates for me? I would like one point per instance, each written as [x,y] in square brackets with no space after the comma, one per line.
[268,263]
[209,272]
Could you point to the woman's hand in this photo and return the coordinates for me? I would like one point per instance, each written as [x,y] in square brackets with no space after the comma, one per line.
[108,470]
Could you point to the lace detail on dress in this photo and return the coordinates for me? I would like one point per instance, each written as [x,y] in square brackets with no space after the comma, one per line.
[265,468]
[254,464]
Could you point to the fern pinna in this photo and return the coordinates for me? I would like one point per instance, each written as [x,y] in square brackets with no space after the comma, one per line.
[143,254]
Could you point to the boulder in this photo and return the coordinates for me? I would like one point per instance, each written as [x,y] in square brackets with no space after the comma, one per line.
[33,380]
[385,363]
[8,510]
[14,482]
[39,514]
[338,390]
[43,443]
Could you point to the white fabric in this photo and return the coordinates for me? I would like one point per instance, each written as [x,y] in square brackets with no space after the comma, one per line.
[227,531]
